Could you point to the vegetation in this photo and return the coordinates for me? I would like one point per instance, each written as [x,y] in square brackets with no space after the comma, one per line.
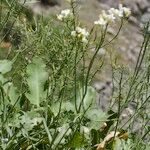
[46,98]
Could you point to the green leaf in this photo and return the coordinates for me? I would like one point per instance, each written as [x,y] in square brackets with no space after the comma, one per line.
[89,99]
[77,141]
[65,106]
[37,76]
[2,79]
[10,90]
[55,108]
[13,94]
[5,66]
[97,117]
[147,147]
[117,144]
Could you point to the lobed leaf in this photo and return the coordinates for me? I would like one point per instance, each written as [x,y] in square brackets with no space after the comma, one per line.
[37,77]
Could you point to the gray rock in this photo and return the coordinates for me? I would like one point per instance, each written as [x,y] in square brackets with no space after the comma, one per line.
[145,18]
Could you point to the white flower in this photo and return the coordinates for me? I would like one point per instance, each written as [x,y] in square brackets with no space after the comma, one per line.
[78,29]
[84,40]
[108,17]
[60,17]
[105,18]
[126,11]
[101,21]
[73,33]
[81,33]
[112,14]
[85,33]
[64,14]
[116,12]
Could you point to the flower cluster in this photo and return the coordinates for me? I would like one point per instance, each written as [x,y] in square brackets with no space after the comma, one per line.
[112,14]
[81,33]
[65,14]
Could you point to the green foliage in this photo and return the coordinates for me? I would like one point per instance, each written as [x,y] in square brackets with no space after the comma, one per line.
[96,117]
[77,141]
[46,96]
[89,100]
[37,77]
[5,66]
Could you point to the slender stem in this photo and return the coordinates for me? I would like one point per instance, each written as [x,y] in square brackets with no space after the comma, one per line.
[119,102]
[91,64]
[138,65]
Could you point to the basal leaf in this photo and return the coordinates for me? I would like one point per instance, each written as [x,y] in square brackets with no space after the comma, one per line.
[97,117]
[13,95]
[37,76]
[5,66]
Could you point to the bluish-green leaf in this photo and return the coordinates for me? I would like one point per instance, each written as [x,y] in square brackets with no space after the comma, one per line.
[97,117]
[13,95]
[5,66]
[37,77]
